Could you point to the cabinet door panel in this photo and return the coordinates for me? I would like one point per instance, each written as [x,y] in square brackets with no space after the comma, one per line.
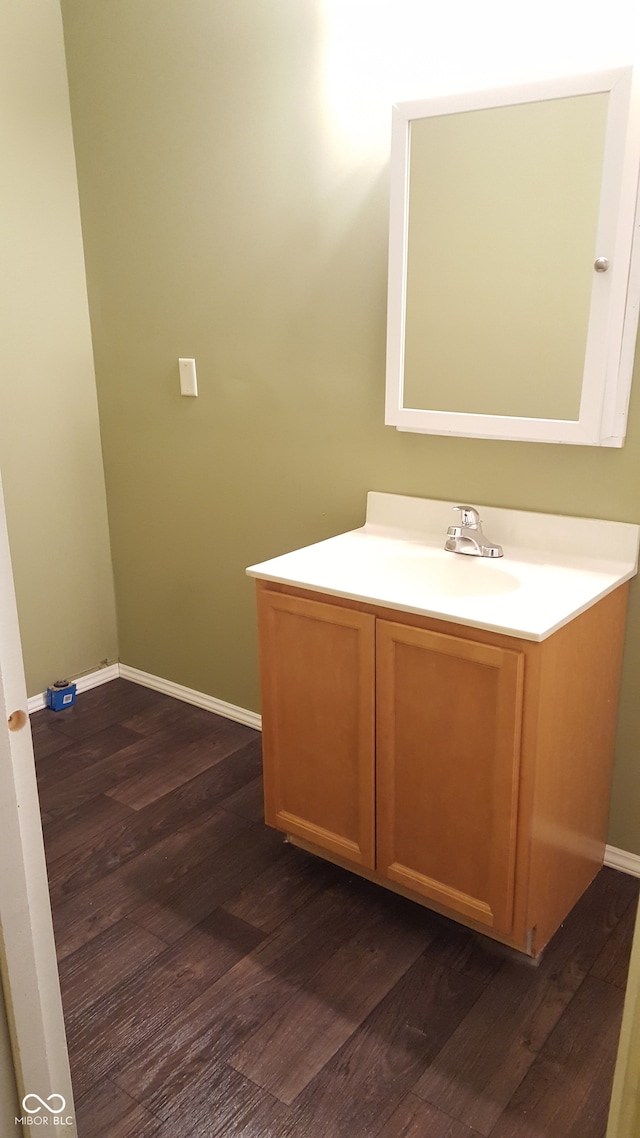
[317,667]
[449,713]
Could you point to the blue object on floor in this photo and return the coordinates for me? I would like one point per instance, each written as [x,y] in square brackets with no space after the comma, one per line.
[60,695]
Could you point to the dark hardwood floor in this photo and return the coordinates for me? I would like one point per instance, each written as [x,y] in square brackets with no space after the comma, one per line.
[218,982]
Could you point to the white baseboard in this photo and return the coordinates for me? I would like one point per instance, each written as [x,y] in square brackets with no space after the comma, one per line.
[620,859]
[188,695]
[168,687]
[83,683]
[94,679]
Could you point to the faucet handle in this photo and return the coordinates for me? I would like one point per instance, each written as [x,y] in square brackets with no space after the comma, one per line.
[469,516]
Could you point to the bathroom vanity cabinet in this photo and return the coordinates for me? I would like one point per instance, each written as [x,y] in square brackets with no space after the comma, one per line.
[466,769]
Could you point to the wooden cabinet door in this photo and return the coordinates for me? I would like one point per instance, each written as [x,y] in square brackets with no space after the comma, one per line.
[448,713]
[317,669]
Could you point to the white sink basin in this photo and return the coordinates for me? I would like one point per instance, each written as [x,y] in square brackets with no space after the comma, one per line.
[453,575]
[553,567]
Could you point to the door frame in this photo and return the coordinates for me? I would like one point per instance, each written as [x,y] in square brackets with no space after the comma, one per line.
[28,962]
[624,1113]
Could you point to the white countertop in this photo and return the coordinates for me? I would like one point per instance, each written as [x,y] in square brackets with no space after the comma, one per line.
[553,567]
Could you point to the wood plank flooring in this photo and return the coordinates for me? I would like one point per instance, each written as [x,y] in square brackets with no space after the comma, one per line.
[220,983]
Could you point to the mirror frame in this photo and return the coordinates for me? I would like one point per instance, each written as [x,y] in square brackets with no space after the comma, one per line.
[615,297]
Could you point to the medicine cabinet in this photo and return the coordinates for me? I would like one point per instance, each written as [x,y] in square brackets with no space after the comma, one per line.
[513,278]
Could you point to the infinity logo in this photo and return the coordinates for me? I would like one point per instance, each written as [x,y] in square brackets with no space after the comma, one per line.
[36,1098]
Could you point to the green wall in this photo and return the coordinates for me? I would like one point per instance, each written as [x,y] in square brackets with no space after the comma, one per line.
[222,220]
[50,455]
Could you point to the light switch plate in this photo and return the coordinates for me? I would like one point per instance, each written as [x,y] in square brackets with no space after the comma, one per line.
[188,378]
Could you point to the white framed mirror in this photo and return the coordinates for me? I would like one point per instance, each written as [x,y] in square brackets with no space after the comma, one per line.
[513,280]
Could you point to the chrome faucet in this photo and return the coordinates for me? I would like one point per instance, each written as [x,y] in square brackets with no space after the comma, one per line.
[468,537]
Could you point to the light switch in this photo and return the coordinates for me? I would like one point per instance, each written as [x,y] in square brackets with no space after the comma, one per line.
[188,378]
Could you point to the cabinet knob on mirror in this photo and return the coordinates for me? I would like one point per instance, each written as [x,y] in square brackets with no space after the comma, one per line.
[601,264]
